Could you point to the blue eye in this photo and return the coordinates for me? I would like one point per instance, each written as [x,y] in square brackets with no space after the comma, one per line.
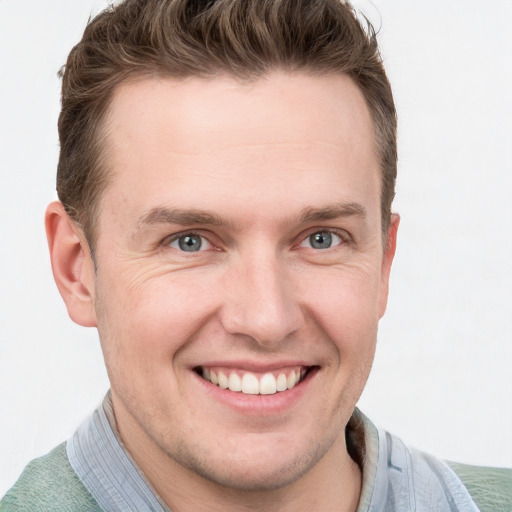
[322,240]
[190,242]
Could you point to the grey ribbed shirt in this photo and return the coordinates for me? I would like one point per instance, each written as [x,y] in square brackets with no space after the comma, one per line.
[395,478]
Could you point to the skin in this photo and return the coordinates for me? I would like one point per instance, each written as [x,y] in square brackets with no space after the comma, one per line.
[272,162]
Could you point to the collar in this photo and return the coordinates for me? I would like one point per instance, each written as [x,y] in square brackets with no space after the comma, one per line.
[99,458]
[401,479]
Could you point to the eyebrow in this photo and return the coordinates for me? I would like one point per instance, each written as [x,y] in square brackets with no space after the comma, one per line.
[333,211]
[162,215]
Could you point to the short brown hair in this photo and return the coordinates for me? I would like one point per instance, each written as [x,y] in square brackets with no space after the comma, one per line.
[183,38]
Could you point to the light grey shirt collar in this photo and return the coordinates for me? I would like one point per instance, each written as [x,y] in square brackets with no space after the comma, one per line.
[97,454]
[395,478]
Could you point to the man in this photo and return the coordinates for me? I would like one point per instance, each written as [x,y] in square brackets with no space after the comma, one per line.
[225,181]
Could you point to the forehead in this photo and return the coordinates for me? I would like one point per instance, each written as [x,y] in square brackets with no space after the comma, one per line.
[284,132]
[199,112]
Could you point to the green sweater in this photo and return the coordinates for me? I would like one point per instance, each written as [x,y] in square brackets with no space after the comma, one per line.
[50,484]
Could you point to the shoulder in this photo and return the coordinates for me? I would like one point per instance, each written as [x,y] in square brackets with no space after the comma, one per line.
[490,488]
[49,484]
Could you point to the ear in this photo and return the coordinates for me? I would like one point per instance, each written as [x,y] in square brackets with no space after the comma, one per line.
[72,265]
[387,260]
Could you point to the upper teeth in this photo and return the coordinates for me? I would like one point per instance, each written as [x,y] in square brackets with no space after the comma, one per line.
[250,384]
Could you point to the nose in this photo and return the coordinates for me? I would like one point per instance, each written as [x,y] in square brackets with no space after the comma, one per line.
[261,302]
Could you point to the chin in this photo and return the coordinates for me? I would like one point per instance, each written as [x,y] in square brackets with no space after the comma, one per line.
[254,476]
[262,468]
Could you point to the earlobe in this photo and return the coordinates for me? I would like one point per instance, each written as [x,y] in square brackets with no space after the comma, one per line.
[72,265]
[387,260]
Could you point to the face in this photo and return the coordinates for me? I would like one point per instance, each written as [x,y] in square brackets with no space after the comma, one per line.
[240,271]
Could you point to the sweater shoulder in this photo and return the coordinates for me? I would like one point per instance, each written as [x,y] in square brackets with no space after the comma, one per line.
[49,483]
[490,488]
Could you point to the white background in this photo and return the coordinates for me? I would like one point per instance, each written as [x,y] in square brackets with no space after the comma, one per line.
[442,378]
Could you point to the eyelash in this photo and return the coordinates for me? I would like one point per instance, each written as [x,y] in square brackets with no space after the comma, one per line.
[329,235]
[343,236]
[345,239]
[176,238]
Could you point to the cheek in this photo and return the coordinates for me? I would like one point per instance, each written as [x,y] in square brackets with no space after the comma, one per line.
[151,318]
[346,308]
[346,303]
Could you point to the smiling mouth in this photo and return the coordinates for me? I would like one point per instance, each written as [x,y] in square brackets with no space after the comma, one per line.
[249,383]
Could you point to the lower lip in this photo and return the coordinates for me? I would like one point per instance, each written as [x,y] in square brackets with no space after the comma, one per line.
[258,404]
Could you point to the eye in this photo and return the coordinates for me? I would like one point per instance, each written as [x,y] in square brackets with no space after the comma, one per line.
[322,240]
[190,242]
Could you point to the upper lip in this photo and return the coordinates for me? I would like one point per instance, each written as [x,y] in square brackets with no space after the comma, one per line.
[256,366]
